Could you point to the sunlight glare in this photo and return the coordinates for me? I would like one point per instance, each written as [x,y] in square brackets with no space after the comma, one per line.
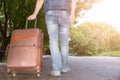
[106,11]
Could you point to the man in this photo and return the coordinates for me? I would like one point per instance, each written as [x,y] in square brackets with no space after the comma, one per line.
[58,15]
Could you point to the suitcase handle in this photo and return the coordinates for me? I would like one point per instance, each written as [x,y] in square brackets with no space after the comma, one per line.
[34,23]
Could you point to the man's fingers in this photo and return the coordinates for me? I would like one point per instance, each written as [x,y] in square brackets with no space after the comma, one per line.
[31,17]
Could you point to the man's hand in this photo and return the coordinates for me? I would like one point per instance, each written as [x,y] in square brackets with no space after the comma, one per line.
[31,17]
[72,18]
[39,4]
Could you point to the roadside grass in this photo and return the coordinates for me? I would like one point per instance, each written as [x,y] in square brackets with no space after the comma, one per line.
[110,53]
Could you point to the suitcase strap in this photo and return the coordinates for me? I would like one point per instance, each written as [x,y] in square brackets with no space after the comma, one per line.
[21,37]
[26,26]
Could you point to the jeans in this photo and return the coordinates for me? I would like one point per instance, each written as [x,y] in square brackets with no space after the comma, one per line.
[57,22]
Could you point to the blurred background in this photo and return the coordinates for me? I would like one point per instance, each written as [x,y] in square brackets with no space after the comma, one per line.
[96,31]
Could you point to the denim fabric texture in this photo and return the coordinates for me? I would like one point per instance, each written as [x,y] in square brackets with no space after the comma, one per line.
[57,4]
[57,22]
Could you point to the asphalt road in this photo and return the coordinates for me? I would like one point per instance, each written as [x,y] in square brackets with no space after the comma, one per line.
[82,68]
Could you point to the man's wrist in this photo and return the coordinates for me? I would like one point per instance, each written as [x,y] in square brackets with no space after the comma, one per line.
[72,13]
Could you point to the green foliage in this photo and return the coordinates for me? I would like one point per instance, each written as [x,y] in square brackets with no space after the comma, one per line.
[14,17]
[93,39]
[81,42]
[114,41]
[17,11]
[111,53]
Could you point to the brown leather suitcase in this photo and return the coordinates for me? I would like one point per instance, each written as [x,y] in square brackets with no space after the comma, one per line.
[25,51]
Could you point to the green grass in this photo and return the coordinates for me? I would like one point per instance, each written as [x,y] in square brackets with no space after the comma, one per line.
[110,53]
[4,59]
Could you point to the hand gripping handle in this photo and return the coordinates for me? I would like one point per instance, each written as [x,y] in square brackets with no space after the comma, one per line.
[26,26]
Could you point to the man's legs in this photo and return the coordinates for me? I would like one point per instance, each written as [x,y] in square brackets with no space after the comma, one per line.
[58,25]
[52,28]
[64,39]
[64,36]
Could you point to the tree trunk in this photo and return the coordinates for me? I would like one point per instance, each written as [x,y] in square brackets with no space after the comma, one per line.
[5,39]
[3,49]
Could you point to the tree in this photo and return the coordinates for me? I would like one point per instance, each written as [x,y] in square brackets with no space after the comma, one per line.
[94,39]
[85,5]
[114,40]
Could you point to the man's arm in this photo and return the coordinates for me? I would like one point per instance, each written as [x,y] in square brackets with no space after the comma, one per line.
[73,6]
[38,6]
[72,13]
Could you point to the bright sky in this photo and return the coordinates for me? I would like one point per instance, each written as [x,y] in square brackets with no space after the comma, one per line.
[107,11]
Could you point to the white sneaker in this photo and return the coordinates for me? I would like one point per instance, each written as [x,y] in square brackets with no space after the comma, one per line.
[65,70]
[55,73]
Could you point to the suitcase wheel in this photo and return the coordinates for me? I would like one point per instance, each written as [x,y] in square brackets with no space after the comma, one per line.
[38,70]
[38,75]
[14,74]
[8,70]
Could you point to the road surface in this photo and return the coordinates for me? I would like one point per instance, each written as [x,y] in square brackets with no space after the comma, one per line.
[82,68]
